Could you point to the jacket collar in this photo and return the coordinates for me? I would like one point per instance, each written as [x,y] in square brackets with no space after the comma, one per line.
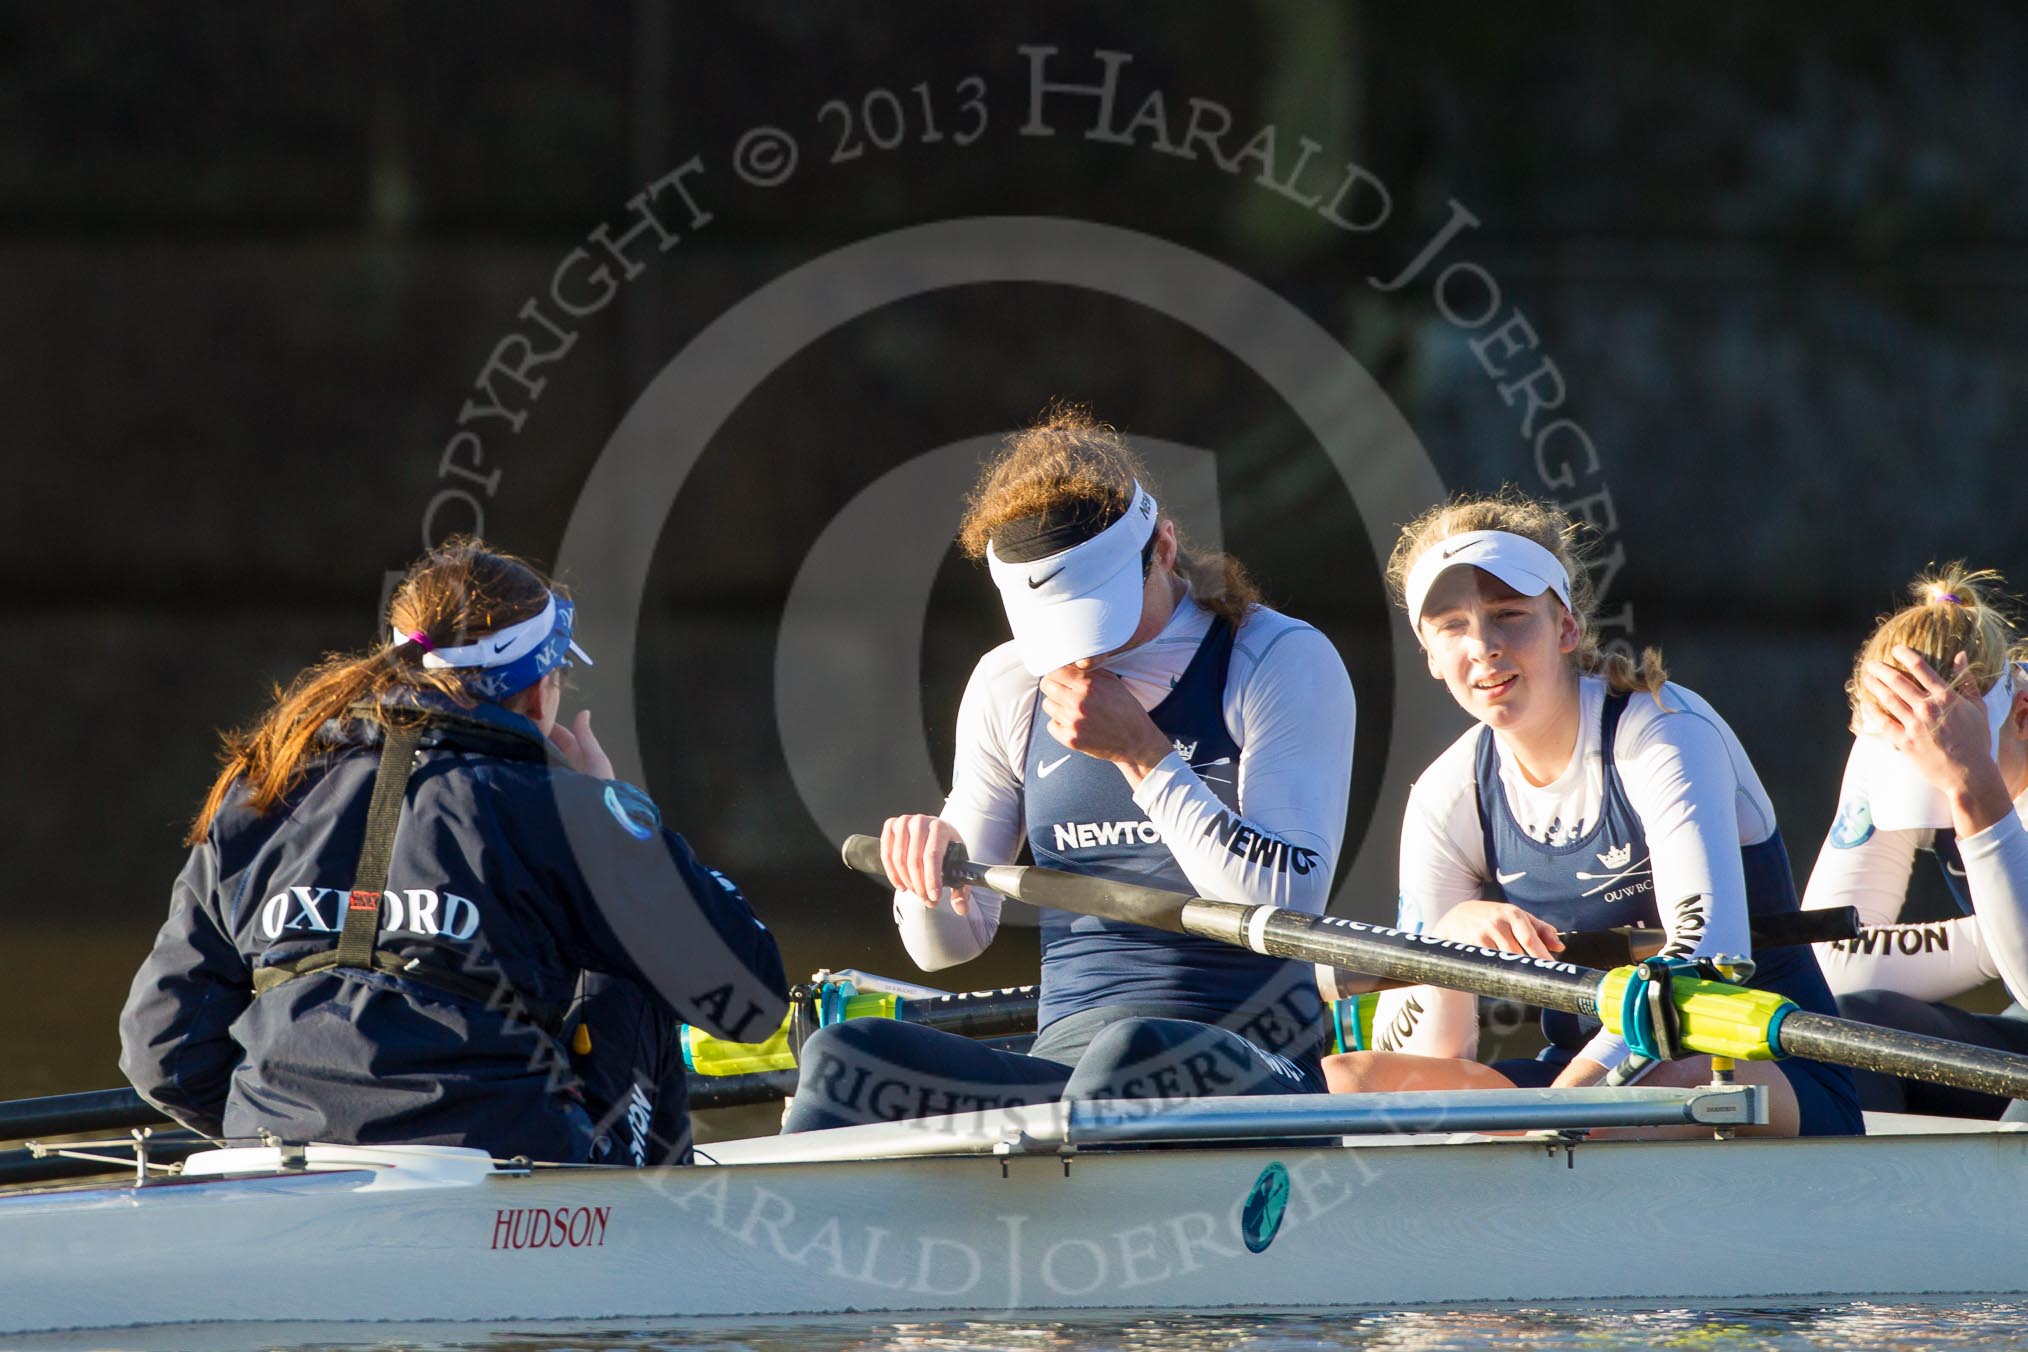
[484,727]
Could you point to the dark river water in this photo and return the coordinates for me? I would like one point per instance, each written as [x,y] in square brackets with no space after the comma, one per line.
[1901,1327]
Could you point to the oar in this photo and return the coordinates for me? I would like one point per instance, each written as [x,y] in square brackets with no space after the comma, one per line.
[1623,944]
[733,1072]
[1631,943]
[1717,1018]
[75,1114]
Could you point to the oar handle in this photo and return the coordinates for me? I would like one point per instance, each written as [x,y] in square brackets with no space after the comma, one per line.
[862,854]
[1130,902]
[1787,929]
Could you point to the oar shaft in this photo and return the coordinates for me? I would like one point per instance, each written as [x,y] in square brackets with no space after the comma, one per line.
[1372,949]
[1412,959]
[1717,1018]
[1913,1056]
[977,1014]
[74,1114]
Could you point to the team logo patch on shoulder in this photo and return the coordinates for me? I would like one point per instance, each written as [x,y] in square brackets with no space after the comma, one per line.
[1854,825]
[632,810]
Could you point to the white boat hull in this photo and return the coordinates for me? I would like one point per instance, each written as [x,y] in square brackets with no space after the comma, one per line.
[1388,1221]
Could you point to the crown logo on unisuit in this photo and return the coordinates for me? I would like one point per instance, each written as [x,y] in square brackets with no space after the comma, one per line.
[1617,856]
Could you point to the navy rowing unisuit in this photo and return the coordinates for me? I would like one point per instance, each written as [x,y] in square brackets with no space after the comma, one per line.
[1082,817]
[1126,1011]
[1585,858]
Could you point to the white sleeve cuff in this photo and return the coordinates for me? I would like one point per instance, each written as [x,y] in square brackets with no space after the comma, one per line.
[1606,1048]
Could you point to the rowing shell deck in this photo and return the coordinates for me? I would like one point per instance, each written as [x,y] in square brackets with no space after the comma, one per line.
[1317,1201]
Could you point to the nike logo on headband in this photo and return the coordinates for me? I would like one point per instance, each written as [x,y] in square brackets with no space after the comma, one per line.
[1035,582]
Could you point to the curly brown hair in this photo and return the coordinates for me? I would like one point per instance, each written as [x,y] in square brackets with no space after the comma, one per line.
[1069,458]
[1547,525]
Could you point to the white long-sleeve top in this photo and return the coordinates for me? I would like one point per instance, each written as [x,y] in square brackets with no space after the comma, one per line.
[1870,869]
[1288,705]
[1685,775]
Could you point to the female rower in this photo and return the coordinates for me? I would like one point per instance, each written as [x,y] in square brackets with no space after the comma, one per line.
[1594,793]
[1150,721]
[1939,766]
[402,875]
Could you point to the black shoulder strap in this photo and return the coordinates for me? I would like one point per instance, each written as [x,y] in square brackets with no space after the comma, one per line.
[361,934]
[1609,715]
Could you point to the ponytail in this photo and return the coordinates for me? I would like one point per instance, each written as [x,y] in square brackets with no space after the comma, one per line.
[1956,610]
[459,591]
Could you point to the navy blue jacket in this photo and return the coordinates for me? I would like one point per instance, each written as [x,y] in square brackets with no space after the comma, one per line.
[508,867]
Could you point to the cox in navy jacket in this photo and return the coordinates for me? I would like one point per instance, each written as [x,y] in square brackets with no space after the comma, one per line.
[507,866]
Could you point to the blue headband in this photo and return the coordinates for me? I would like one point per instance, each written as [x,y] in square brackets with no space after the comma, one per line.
[511,659]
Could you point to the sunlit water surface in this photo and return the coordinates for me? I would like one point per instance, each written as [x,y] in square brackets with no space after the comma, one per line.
[1899,1327]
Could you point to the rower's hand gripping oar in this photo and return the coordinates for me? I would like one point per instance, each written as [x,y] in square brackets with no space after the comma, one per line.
[1714,1017]
[1148,906]
[1163,910]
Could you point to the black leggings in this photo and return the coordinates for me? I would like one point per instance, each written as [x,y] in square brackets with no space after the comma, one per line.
[1891,1009]
[878,1070]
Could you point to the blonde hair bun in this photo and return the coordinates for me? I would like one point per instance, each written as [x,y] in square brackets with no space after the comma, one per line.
[1957,609]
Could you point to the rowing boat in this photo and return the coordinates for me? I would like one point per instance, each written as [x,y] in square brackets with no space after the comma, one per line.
[1308,1201]
[1304,1201]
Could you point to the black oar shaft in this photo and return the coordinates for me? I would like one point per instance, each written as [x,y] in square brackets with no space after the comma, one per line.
[1371,949]
[976,1014]
[740,1091]
[1413,959]
[1913,1056]
[74,1114]
[1383,952]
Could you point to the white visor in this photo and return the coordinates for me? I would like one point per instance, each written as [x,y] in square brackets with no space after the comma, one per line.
[1897,797]
[1079,602]
[1519,562]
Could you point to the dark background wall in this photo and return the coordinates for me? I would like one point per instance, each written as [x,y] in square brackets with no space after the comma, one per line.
[254,260]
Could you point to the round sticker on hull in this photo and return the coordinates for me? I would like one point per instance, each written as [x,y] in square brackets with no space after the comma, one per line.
[1261,1216]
